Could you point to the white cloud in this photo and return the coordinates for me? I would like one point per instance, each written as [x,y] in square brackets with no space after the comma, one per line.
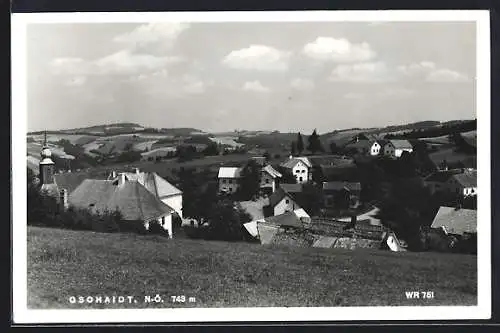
[125,62]
[338,50]
[73,66]
[255,86]
[122,62]
[446,75]
[302,84]
[431,72]
[159,32]
[363,72]
[258,57]
[353,95]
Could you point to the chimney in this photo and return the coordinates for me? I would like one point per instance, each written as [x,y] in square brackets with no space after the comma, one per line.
[136,171]
[63,194]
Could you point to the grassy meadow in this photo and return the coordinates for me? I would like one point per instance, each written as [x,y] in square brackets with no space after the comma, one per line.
[65,263]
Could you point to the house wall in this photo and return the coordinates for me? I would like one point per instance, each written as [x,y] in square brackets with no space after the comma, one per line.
[284,206]
[267,181]
[375,149]
[228,184]
[175,202]
[165,221]
[399,152]
[301,173]
[451,187]
[389,150]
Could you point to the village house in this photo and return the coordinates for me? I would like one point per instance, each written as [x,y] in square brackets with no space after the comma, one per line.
[284,199]
[138,206]
[159,187]
[456,221]
[269,178]
[455,181]
[229,178]
[365,147]
[395,148]
[341,194]
[299,167]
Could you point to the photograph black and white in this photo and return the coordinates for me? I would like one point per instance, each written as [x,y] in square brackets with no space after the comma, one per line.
[244,166]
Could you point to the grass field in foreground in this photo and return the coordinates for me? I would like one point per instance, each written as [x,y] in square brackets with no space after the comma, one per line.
[63,263]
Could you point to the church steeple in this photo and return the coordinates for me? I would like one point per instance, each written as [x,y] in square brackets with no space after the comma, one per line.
[46,164]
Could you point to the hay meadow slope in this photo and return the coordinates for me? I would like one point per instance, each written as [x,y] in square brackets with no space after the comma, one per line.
[65,263]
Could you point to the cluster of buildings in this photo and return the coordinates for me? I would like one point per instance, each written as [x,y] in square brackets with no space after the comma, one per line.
[140,197]
[147,198]
[371,146]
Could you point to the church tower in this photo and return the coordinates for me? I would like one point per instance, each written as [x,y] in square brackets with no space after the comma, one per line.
[46,165]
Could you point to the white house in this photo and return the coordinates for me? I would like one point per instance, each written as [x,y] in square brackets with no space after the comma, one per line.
[395,148]
[366,147]
[455,181]
[229,179]
[162,189]
[281,201]
[268,178]
[300,167]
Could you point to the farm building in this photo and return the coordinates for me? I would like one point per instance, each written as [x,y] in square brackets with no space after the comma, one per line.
[341,194]
[268,178]
[365,147]
[138,206]
[283,200]
[300,167]
[456,221]
[229,179]
[159,187]
[455,181]
[395,148]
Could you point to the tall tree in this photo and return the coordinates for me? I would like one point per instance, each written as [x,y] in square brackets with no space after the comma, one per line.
[226,221]
[314,143]
[300,144]
[294,149]
[249,181]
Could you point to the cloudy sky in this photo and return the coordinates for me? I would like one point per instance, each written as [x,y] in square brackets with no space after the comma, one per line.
[226,76]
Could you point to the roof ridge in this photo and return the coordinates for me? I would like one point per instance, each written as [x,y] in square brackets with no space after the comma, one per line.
[138,199]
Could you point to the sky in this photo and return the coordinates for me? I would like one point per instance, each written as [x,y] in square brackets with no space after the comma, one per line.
[225,76]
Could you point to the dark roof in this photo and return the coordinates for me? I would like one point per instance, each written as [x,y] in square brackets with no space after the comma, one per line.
[336,186]
[442,176]
[292,162]
[70,180]
[291,188]
[132,199]
[466,179]
[363,144]
[456,221]
[277,196]
[401,144]
[288,219]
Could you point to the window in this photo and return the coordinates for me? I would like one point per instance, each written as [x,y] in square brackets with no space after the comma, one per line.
[267,181]
[303,171]
[300,179]
[297,171]
[223,181]
[230,181]
[287,201]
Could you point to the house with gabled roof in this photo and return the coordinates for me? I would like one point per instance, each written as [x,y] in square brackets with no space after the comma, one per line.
[229,179]
[159,187]
[396,148]
[299,167]
[456,221]
[365,147]
[280,202]
[269,178]
[137,205]
[461,182]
